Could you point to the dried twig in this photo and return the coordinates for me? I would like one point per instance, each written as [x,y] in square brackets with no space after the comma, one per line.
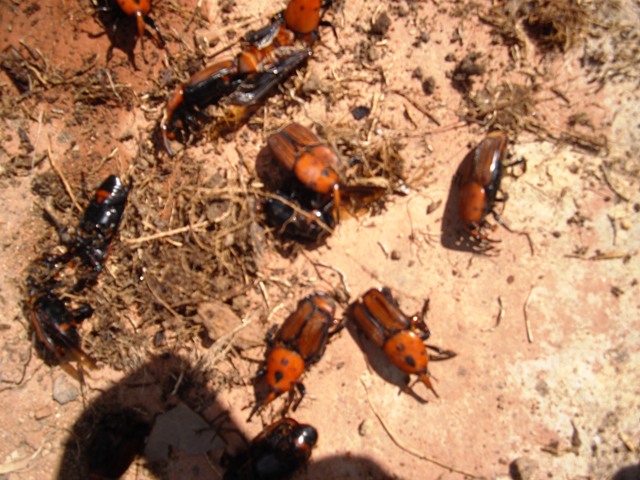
[23,464]
[610,185]
[418,107]
[67,187]
[17,383]
[605,256]
[168,233]
[343,277]
[526,318]
[394,438]
[499,317]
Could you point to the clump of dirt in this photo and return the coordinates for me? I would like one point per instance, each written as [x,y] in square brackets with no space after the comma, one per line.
[552,25]
[462,74]
[505,107]
[102,87]
[185,239]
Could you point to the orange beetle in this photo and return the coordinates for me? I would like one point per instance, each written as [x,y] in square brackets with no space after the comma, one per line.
[140,9]
[57,328]
[300,20]
[304,16]
[204,88]
[268,56]
[314,163]
[298,343]
[399,336]
[479,182]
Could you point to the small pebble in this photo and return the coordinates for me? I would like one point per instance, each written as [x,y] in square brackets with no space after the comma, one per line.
[64,390]
[523,468]
[429,86]
[43,412]
[365,427]
[381,25]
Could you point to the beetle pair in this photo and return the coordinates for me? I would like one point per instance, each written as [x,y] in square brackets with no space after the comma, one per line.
[479,181]
[277,452]
[268,57]
[302,339]
[53,322]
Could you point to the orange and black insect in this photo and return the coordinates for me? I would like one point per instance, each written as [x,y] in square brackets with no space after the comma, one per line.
[135,9]
[97,228]
[296,215]
[245,92]
[56,327]
[100,221]
[479,182]
[140,9]
[314,163]
[400,337]
[276,453]
[202,89]
[299,342]
[55,324]
[268,57]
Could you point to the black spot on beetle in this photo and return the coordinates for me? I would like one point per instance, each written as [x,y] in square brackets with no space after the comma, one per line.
[279,376]
[410,361]
[284,362]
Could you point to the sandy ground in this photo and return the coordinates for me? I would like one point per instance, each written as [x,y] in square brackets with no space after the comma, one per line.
[546,326]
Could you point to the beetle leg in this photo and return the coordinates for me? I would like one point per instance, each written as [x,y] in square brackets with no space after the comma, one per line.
[408,387]
[153,25]
[336,201]
[442,353]
[500,221]
[78,374]
[63,235]
[302,391]
[521,161]
[271,333]
[418,323]
[256,408]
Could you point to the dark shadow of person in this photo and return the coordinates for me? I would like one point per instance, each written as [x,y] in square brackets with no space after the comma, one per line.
[630,472]
[140,415]
[163,413]
[343,467]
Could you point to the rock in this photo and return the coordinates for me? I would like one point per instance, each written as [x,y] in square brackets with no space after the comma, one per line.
[219,320]
[43,412]
[523,468]
[381,25]
[181,429]
[64,390]
[365,427]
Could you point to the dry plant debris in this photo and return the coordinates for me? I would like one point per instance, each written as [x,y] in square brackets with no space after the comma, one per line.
[553,25]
